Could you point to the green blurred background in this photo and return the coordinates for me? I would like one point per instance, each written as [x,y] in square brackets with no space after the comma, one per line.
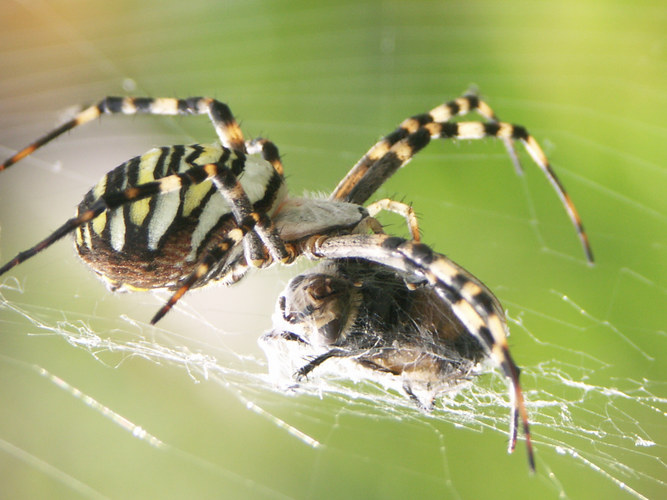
[324,81]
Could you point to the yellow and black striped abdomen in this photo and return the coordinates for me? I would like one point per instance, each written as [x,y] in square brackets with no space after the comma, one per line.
[154,242]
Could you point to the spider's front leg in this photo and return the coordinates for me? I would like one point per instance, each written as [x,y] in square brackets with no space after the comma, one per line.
[467,103]
[397,148]
[471,302]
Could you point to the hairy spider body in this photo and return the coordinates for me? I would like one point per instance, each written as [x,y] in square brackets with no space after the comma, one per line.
[179,217]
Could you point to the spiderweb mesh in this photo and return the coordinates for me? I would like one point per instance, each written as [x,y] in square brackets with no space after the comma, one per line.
[98,404]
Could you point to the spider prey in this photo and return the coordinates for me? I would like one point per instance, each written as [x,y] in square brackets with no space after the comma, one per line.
[389,326]
[179,217]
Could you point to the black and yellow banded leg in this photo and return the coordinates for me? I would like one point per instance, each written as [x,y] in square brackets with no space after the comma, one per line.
[229,186]
[216,255]
[219,113]
[403,150]
[269,152]
[469,299]
[253,248]
[467,103]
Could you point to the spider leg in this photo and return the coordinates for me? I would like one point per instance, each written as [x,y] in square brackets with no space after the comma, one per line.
[230,187]
[268,150]
[470,300]
[223,121]
[402,151]
[270,153]
[221,116]
[247,221]
[486,112]
[467,103]
[213,256]
[399,208]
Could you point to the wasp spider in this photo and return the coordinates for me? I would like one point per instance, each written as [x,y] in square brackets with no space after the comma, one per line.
[179,217]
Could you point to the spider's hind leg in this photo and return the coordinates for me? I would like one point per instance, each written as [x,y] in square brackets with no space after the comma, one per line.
[221,117]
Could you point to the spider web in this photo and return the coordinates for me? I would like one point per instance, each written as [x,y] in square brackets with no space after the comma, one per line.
[95,400]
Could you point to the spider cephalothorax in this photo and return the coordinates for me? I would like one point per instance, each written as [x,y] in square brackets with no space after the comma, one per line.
[180,217]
